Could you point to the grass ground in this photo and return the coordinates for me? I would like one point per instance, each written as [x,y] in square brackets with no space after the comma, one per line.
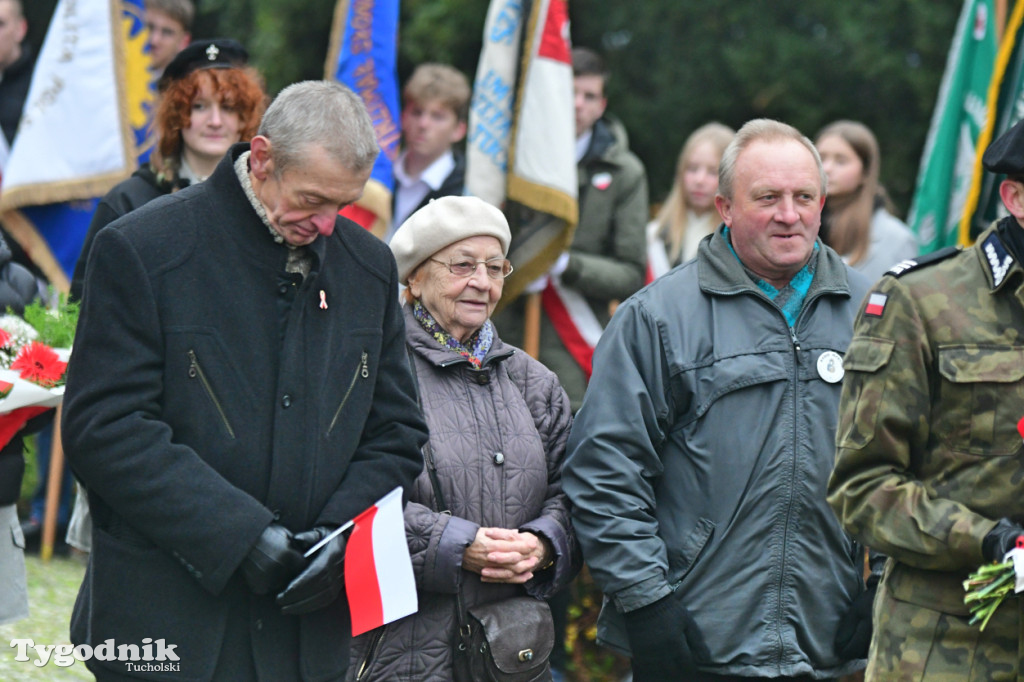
[51,593]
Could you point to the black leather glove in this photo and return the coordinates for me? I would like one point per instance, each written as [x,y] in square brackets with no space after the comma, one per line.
[853,638]
[272,561]
[320,583]
[665,641]
[1001,540]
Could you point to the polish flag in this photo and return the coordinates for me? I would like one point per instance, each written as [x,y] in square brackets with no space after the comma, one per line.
[378,571]
[876,304]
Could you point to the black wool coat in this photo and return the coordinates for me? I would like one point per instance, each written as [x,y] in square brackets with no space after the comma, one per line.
[196,417]
[126,196]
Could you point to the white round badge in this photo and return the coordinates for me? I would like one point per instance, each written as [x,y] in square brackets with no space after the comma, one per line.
[830,366]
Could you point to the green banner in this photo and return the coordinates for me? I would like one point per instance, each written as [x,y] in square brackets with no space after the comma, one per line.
[984,204]
[947,165]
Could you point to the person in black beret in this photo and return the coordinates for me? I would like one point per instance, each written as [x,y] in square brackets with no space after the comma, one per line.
[928,461]
[1006,156]
[219,53]
[1006,153]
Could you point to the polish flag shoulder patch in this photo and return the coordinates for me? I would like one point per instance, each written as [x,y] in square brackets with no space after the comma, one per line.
[876,304]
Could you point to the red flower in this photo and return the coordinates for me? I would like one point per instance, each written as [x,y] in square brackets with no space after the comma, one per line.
[5,338]
[38,363]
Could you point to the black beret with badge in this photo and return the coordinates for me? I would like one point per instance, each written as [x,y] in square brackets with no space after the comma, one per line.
[219,53]
[1006,153]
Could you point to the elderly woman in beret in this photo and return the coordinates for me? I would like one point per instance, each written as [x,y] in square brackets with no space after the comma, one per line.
[498,425]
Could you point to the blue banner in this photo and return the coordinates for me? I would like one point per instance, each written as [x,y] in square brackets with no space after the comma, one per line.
[362,55]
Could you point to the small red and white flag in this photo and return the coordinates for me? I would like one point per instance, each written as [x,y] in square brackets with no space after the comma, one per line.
[378,571]
[876,305]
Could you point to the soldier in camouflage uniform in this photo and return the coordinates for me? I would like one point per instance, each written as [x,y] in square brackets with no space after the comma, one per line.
[930,465]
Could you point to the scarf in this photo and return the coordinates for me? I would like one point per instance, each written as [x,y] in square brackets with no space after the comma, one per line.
[790,298]
[473,350]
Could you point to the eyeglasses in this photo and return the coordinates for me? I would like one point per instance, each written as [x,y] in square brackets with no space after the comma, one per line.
[496,268]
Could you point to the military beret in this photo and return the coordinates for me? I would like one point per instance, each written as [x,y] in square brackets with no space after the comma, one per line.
[1006,153]
[219,53]
[443,222]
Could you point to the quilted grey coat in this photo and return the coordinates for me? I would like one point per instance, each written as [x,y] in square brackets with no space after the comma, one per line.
[498,437]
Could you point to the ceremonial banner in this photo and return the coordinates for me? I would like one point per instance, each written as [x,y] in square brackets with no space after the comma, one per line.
[86,114]
[379,580]
[1005,109]
[492,106]
[947,163]
[362,55]
[521,151]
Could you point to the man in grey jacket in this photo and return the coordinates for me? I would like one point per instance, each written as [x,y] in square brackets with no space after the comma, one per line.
[697,465]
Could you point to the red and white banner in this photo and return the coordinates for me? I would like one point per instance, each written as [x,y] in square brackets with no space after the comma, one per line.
[574,321]
[520,145]
[378,571]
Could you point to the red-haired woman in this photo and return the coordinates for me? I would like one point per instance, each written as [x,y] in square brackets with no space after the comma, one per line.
[209,101]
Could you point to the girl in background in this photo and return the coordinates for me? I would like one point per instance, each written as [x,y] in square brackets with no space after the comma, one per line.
[857,222]
[688,214]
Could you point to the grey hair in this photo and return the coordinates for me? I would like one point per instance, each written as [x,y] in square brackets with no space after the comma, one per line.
[762,130]
[323,114]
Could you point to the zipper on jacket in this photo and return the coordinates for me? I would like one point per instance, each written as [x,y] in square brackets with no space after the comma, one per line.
[371,652]
[195,371]
[792,335]
[363,370]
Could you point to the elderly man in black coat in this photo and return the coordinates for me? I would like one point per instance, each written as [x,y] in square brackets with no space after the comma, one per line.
[238,388]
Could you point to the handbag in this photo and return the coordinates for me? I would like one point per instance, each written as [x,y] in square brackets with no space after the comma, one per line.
[509,640]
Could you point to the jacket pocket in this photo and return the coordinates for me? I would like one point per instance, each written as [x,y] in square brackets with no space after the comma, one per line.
[195,371]
[977,396]
[864,398]
[935,590]
[362,371]
[682,558]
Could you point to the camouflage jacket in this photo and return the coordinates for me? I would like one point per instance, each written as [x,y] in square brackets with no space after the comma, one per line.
[929,456]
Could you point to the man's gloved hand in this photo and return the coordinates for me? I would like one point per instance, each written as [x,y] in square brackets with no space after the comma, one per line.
[272,561]
[320,583]
[1001,540]
[853,638]
[665,641]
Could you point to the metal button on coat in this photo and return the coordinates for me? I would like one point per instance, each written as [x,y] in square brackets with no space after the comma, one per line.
[499,458]
[286,401]
[283,289]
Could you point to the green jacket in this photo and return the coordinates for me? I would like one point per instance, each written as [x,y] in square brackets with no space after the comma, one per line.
[929,456]
[608,255]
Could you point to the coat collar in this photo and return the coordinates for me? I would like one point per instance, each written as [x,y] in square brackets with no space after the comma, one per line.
[996,259]
[252,236]
[431,351]
[719,271]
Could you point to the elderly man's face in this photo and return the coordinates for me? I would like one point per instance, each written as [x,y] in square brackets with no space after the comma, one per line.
[302,203]
[12,31]
[775,211]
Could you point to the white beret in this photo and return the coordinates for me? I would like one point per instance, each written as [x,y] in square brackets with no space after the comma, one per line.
[441,223]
